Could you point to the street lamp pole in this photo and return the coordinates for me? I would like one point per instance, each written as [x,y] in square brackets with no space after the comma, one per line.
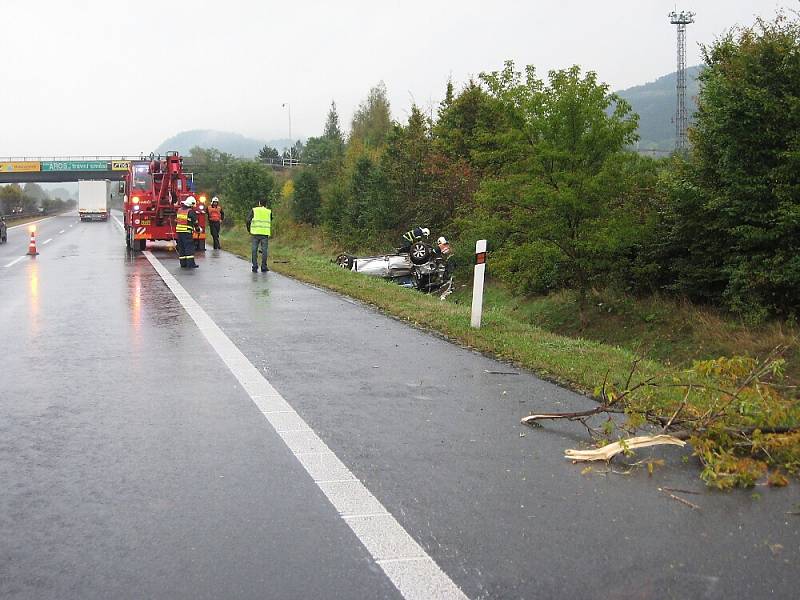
[288,106]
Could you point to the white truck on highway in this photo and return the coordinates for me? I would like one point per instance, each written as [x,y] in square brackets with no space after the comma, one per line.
[93,199]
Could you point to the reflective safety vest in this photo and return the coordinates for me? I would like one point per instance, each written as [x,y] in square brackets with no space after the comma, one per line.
[214,214]
[182,224]
[262,221]
[412,235]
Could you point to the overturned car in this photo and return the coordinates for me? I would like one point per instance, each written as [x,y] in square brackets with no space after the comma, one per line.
[422,266]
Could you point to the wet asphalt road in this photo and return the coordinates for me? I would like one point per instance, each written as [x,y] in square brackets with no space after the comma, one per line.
[134,465]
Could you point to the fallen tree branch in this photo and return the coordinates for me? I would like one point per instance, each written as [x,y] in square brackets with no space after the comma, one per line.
[669,489]
[572,416]
[691,505]
[609,451]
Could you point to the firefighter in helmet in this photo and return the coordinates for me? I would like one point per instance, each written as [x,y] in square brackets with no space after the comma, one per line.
[409,237]
[186,224]
[215,218]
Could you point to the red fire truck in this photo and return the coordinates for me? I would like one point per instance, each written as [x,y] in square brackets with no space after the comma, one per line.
[154,189]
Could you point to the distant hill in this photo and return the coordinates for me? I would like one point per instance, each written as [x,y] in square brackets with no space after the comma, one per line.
[655,104]
[225,141]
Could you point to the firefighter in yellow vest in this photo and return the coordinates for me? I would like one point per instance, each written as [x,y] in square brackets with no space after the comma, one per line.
[215,218]
[259,224]
[185,225]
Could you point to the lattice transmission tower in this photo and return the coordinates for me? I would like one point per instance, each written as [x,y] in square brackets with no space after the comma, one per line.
[681,19]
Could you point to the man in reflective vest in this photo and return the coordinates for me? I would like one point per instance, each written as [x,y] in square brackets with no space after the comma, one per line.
[411,236]
[259,224]
[185,225]
[215,218]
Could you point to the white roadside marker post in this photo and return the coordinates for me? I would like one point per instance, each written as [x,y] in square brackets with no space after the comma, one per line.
[477,283]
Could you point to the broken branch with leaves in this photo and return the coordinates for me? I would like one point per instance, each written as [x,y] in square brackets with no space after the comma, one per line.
[741,422]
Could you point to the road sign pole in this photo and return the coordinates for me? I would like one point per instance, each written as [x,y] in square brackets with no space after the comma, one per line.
[477,283]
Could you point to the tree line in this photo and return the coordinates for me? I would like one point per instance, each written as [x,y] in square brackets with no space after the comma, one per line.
[28,199]
[543,168]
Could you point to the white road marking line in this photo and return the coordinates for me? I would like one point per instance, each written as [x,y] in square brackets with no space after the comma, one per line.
[47,241]
[396,560]
[414,573]
[30,223]
[336,481]
[15,261]
[62,231]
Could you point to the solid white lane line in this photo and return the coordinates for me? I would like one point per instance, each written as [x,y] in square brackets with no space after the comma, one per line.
[15,261]
[28,224]
[412,571]
[47,241]
[394,560]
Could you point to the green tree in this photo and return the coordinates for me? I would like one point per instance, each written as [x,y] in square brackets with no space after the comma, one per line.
[469,124]
[372,120]
[332,131]
[306,199]
[406,163]
[735,224]
[554,204]
[357,210]
[268,153]
[10,198]
[245,184]
[210,166]
[334,208]
[327,150]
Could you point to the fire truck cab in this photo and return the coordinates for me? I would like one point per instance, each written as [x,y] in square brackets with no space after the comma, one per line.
[154,187]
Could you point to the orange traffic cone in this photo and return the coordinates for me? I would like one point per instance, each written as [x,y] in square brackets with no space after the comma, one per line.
[32,246]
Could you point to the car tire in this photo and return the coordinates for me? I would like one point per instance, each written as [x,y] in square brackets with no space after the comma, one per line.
[142,245]
[420,253]
[345,261]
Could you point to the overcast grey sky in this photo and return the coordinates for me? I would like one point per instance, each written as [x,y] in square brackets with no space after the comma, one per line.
[110,77]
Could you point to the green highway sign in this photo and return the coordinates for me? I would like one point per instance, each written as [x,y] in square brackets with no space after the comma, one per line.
[74,165]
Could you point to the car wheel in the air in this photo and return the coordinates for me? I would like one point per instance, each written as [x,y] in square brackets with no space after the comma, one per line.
[345,261]
[420,253]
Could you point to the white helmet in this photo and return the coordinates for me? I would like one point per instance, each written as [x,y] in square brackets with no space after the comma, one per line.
[441,240]
[426,232]
[190,201]
[215,199]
